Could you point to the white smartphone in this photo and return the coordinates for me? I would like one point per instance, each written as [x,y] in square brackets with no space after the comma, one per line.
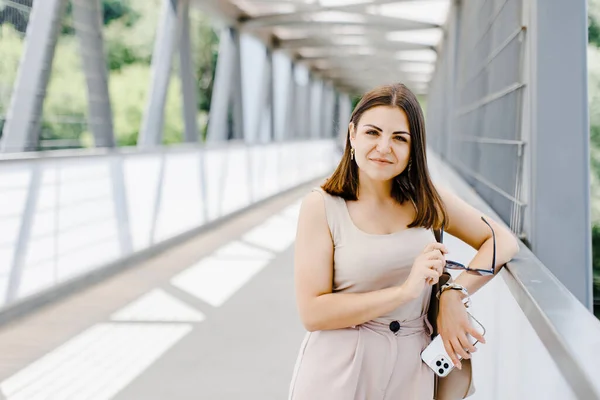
[436,357]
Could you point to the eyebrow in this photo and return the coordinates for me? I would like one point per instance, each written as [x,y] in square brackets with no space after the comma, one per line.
[380,130]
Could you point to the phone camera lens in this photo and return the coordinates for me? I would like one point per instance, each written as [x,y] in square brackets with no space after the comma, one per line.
[441,371]
[445,366]
[439,363]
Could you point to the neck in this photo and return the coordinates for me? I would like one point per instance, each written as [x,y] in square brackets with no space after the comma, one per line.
[369,189]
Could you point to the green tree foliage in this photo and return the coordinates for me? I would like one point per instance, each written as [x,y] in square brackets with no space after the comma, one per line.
[65,106]
[130,86]
[593,32]
[9,14]
[596,259]
[205,44]
[128,43]
[11,47]
[132,45]
[594,22]
[119,10]
[129,31]
[111,10]
[594,110]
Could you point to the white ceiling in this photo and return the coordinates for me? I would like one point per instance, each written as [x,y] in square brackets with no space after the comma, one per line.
[357,44]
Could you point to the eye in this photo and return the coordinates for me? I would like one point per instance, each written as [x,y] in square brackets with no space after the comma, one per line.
[372,132]
[401,138]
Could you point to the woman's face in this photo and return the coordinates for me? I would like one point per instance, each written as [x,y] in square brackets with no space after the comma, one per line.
[381,142]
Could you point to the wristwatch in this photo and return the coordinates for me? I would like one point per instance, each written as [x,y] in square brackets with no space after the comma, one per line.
[455,286]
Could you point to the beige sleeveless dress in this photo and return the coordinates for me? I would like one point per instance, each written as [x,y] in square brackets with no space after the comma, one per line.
[368,361]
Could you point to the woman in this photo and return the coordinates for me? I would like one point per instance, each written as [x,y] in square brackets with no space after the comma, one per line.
[366,259]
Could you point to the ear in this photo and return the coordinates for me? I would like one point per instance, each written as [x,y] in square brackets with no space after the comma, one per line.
[352,132]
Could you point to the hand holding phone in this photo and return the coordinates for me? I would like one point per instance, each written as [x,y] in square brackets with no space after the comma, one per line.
[436,357]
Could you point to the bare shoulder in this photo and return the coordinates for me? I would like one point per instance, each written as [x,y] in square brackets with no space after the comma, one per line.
[313,207]
[314,243]
[314,199]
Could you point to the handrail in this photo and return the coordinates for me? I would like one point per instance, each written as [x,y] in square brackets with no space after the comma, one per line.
[134,150]
[570,333]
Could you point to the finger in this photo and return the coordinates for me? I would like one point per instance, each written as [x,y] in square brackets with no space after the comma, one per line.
[466,345]
[433,246]
[455,345]
[451,353]
[459,347]
[434,254]
[476,335]
[432,273]
[437,265]
[431,277]
[428,248]
[440,269]
[436,269]
[439,257]
[440,246]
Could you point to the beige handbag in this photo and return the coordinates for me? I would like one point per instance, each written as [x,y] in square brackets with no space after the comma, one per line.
[459,383]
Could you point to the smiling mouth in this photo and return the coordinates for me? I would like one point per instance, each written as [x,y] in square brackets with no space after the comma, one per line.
[380,161]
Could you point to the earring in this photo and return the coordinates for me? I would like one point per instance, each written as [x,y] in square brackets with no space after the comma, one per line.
[352,153]
[409,165]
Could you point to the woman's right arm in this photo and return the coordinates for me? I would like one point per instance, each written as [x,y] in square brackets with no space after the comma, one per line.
[319,308]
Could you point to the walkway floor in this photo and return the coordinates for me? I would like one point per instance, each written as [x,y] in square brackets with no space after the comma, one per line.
[214,318]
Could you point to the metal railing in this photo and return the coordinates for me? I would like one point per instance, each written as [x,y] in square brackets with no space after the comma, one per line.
[67,214]
[479,116]
[542,342]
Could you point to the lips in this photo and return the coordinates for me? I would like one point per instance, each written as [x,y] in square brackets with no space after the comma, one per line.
[381,160]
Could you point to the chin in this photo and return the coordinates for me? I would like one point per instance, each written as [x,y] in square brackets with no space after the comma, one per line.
[380,175]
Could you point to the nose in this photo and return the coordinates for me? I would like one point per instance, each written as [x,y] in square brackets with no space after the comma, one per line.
[384,146]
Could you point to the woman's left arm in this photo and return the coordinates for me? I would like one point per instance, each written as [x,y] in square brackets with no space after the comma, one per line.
[465,223]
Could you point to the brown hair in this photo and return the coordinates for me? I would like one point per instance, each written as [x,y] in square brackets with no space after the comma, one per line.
[414,183]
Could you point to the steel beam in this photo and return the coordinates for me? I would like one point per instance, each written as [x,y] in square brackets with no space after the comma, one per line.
[160,76]
[87,16]
[559,212]
[189,83]
[22,129]
[218,126]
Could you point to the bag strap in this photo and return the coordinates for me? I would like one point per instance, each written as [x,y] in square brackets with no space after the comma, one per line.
[433,301]
[438,235]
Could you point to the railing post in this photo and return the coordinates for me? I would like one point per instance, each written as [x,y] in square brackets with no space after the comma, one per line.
[559,212]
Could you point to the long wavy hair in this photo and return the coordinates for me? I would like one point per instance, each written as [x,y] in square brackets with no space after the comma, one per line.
[414,183]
